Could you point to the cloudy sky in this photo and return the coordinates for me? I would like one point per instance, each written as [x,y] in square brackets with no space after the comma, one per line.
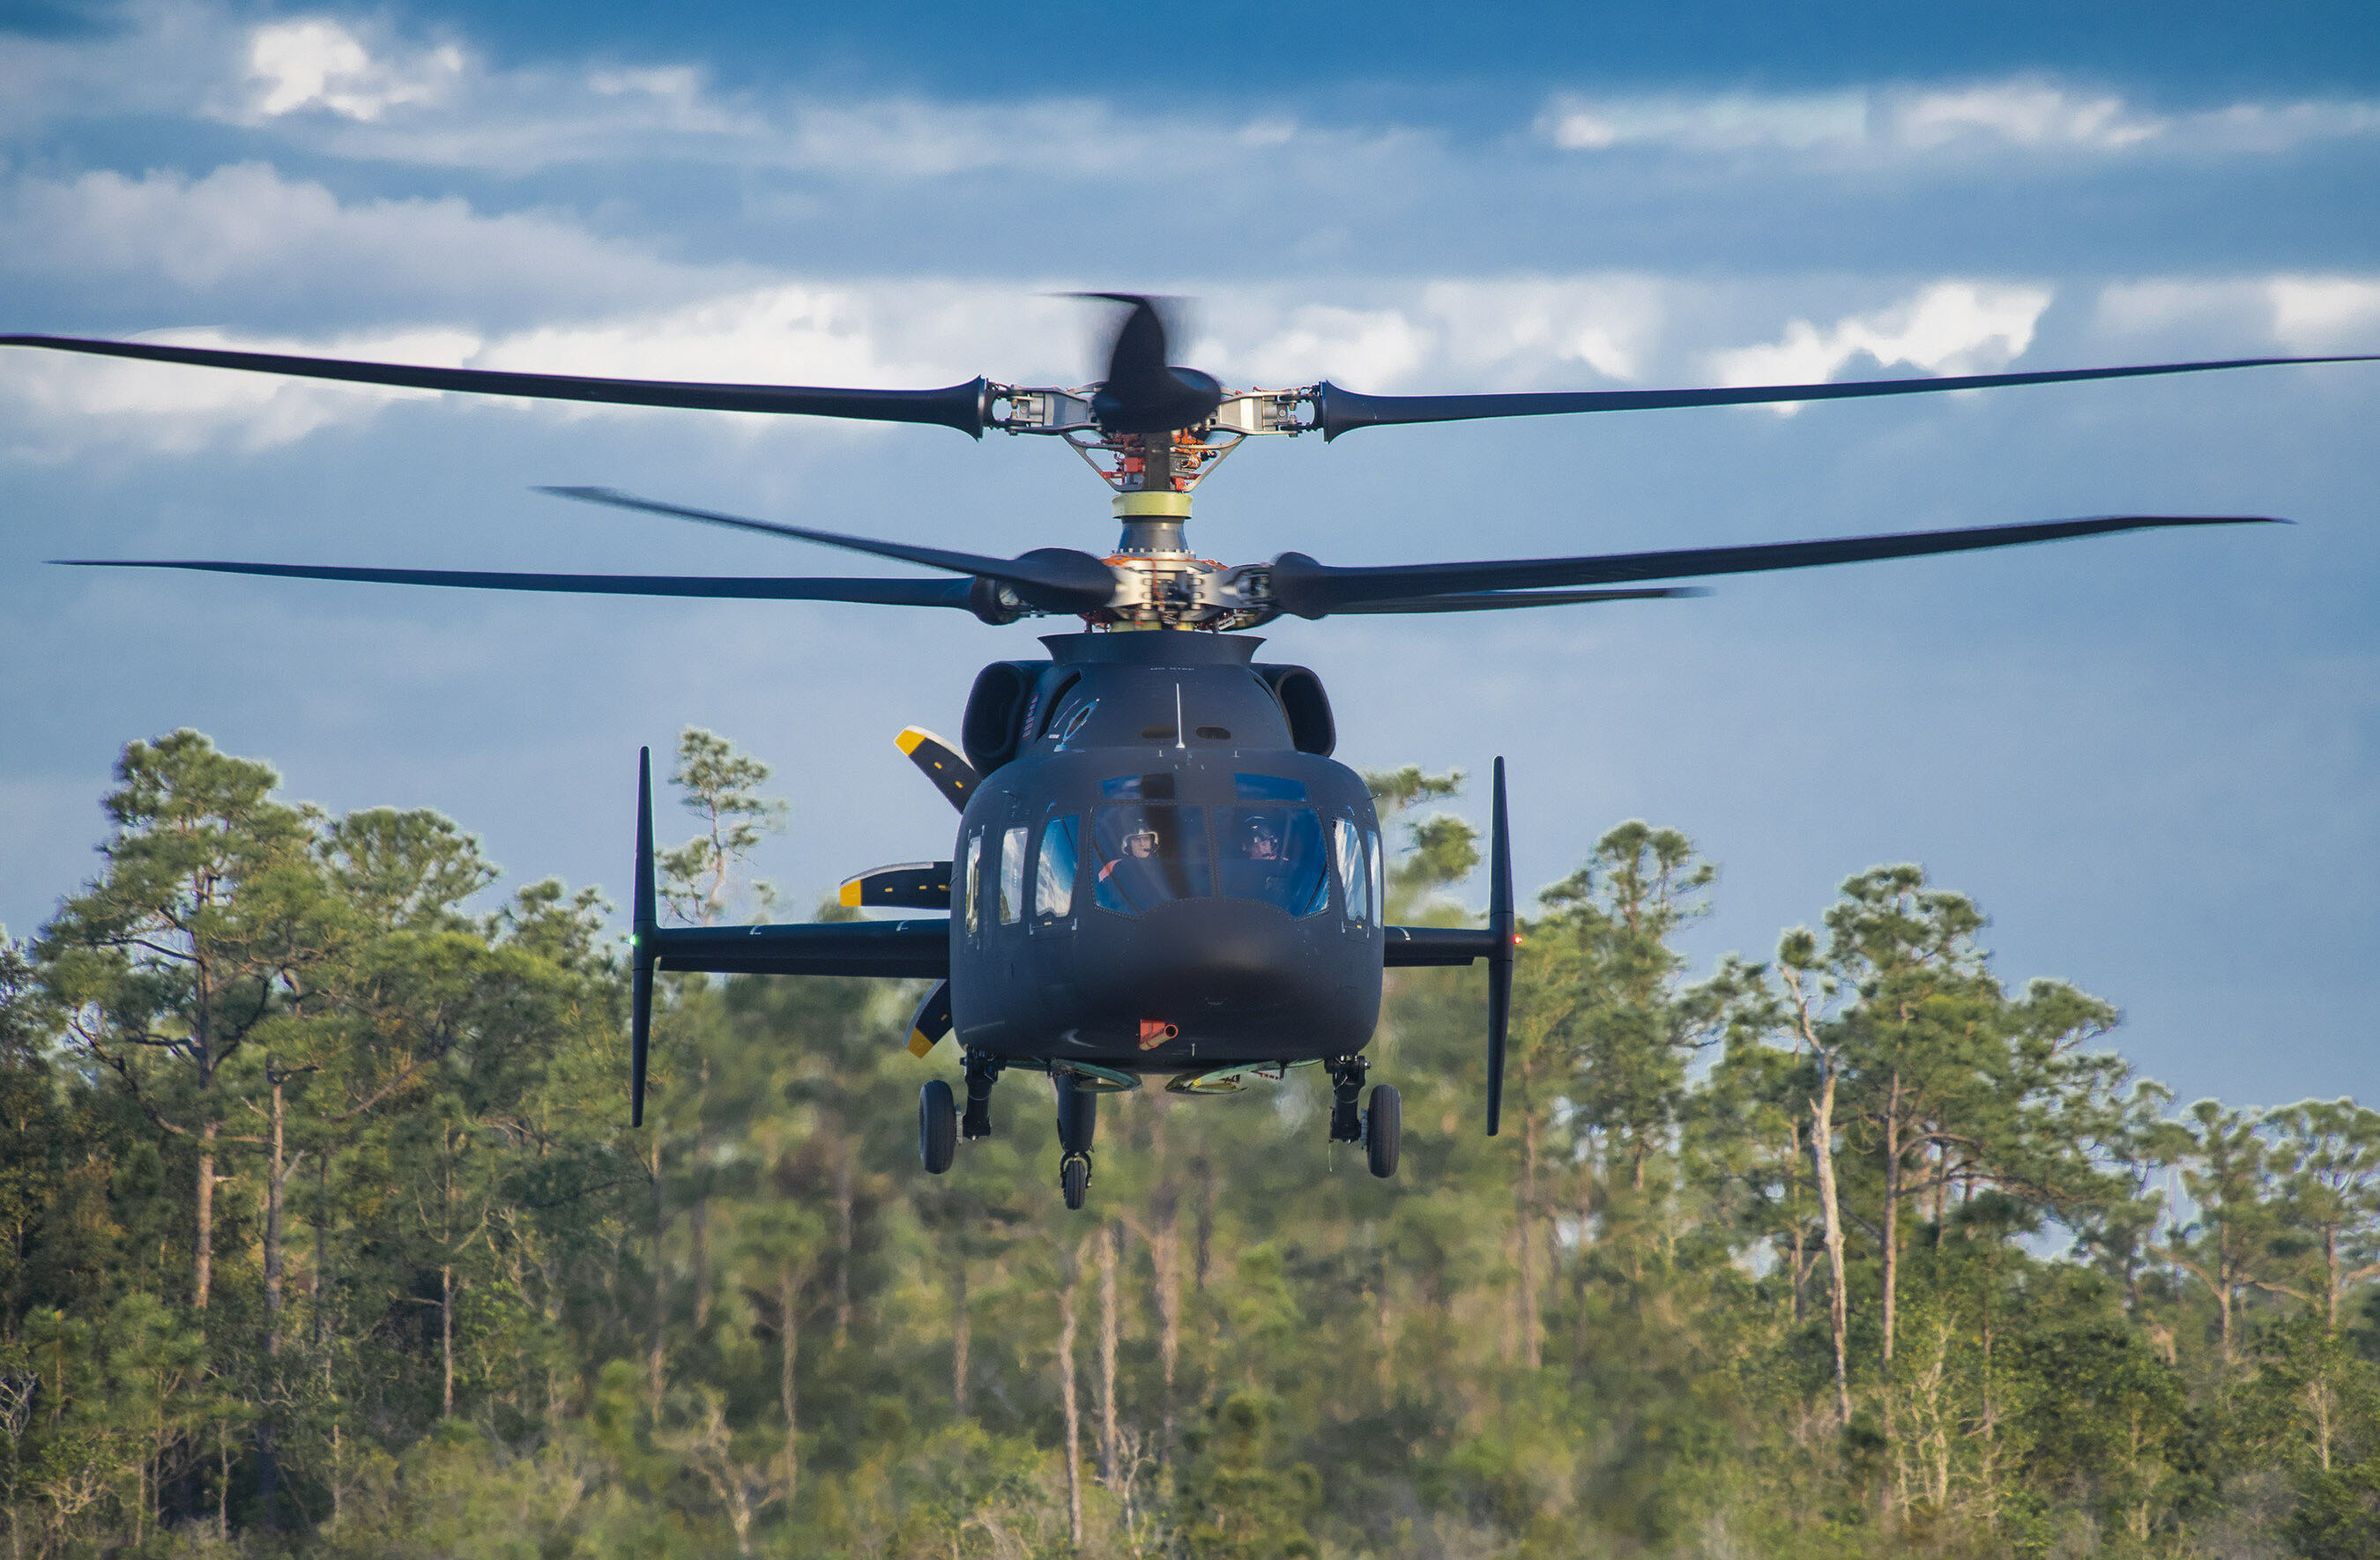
[2154,760]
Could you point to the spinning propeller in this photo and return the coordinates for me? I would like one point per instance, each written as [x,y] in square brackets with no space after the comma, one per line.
[1152,429]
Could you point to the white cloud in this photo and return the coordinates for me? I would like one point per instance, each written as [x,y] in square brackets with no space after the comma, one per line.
[2026,114]
[2300,314]
[1949,328]
[1724,121]
[318,63]
[246,227]
[1892,123]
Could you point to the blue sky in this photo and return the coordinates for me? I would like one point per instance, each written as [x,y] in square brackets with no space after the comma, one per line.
[2154,760]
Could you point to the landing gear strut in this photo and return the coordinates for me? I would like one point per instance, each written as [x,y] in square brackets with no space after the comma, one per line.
[1346,1089]
[1078,1111]
[982,1071]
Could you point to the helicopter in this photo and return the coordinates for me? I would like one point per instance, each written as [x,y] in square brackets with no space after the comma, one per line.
[1160,869]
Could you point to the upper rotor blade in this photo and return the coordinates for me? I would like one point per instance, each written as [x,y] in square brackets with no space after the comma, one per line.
[876,592]
[1143,394]
[1311,590]
[1495,600]
[959,405]
[1338,411]
[1054,578]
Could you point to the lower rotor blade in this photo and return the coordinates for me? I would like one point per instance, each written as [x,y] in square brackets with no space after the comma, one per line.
[1495,600]
[1057,579]
[1340,411]
[959,405]
[874,592]
[1310,589]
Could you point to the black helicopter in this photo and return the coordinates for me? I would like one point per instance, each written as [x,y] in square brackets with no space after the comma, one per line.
[1158,870]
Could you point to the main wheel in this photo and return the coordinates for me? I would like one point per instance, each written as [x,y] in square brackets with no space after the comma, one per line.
[938,1127]
[1383,1122]
[1074,1179]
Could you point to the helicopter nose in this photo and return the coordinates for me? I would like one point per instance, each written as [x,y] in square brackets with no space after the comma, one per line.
[1193,961]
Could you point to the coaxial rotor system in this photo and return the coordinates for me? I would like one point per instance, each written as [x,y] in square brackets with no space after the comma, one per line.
[1152,431]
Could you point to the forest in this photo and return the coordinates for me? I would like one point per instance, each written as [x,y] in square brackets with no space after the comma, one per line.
[326,1235]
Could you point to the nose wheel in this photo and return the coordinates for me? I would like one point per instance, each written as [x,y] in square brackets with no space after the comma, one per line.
[1079,1114]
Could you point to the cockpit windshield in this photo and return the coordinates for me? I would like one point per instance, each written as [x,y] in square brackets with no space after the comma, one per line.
[1274,854]
[1148,854]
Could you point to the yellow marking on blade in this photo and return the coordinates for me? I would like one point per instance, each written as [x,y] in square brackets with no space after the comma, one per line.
[850,895]
[920,1043]
[911,737]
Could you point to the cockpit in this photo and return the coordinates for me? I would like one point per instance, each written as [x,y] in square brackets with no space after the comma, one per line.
[1140,848]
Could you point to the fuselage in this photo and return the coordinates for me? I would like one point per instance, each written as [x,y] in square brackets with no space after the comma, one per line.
[1159,873]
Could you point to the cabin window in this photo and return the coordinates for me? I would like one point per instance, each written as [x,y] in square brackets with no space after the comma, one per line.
[1268,787]
[974,879]
[1012,877]
[1150,853]
[1354,878]
[1379,876]
[1274,854]
[1053,875]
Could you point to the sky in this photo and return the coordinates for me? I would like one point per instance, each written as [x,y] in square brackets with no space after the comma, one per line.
[2154,760]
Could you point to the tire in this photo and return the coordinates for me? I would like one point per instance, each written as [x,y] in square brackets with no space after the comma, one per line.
[1383,1124]
[1074,1180]
[938,1127]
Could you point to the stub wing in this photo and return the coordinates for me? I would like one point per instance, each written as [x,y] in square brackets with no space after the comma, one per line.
[919,949]
[1416,947]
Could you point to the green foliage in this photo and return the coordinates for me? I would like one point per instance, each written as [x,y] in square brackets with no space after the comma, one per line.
[321,1234]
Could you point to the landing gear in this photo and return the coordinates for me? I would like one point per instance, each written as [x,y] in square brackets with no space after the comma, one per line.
[1382,1127]
[1346,1089]
[938,1127]
[982,1071]
[1079,1114]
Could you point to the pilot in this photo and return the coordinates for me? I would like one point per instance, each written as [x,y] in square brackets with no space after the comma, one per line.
[1134,877]
[1258,866]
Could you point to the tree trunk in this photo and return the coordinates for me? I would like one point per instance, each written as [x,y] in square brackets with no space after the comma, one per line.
[699,1227]
[1892,1127]
[277,1180]
[1822,1155]
[843,1242]
[962,1337]
[446,1288]
[657,1363]
[1165,1274]
[1532,1350]
[1165,1263]
[203,1256]
[1204,1170]
[276,1175]
[1067,1396]
[788,1338]
[1110,1248]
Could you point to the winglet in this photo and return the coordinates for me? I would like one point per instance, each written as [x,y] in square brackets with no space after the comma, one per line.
[643,921]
